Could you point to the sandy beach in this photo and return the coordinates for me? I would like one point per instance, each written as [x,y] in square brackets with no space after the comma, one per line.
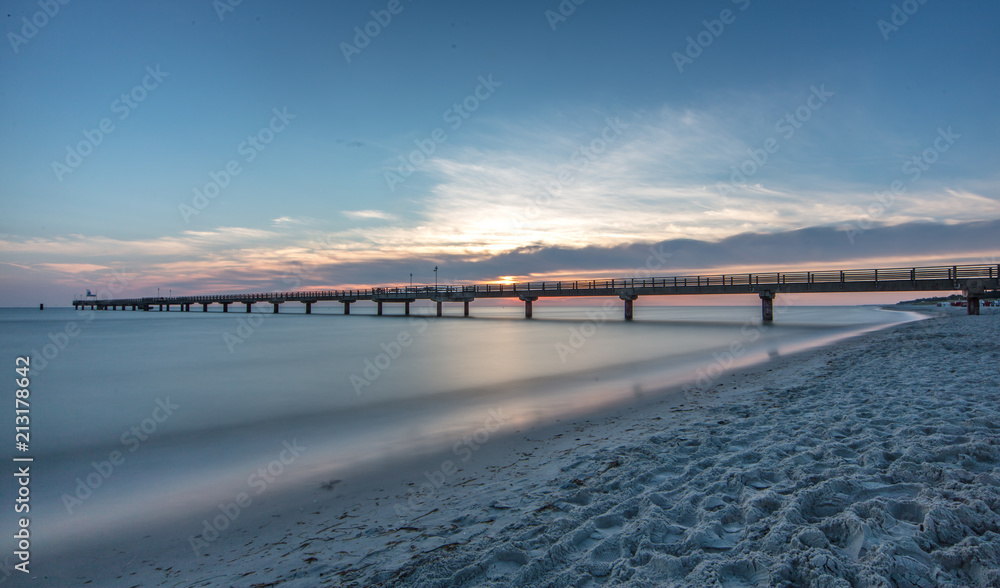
[873,462]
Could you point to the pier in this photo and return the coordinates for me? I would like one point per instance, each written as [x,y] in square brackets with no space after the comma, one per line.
[972,280]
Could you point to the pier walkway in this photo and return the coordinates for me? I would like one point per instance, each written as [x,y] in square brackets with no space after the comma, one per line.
[972,280]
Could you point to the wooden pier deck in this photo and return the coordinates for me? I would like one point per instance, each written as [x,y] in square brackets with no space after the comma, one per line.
[972,280]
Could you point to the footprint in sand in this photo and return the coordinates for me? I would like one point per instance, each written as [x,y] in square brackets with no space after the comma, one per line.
[846,534]
[743,574]
[505,563]
[908,511]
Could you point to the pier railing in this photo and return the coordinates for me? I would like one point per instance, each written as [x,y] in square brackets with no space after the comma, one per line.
[914,274]
[767,284]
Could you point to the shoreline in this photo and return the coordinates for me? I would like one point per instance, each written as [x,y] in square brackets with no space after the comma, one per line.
[354,533]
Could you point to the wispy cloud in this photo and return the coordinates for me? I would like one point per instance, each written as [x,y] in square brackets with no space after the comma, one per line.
[289,220]
[666,174]
[367,214]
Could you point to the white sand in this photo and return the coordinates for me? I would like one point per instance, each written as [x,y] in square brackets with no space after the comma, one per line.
[875,462]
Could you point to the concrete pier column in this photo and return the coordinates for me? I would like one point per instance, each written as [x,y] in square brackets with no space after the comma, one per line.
[973,292]
[347,308]
[249,304]
[439,308]
[309,307]
[379,310]
[204,307]
[406,308]
[527,304]
[466,308]
[133,307]
[629,299]
[161,308]
[225,306]
[123,307]
[767,306]
[276,304]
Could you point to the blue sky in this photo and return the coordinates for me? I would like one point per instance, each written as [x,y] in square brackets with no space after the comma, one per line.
[571,134]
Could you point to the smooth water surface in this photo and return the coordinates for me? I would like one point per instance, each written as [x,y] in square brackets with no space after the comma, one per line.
[194,403]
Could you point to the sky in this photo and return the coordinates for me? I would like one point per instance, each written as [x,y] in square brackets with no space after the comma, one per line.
[216,146]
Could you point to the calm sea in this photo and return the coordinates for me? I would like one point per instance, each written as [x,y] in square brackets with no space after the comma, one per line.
[144,416]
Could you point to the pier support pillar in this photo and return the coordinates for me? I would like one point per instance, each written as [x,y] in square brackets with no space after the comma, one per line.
[276,307]
[972,294]
[379,310]
[767,306]
[466,312]
[133,308]
[249,304]
[439,308]
[123,307]
[309,307]
[347,308]
[527,304]
[161,308]
[225,306]
[406,308]
[629,299]
[204,307]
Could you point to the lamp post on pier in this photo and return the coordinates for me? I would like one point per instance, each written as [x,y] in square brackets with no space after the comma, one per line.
[435,278]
